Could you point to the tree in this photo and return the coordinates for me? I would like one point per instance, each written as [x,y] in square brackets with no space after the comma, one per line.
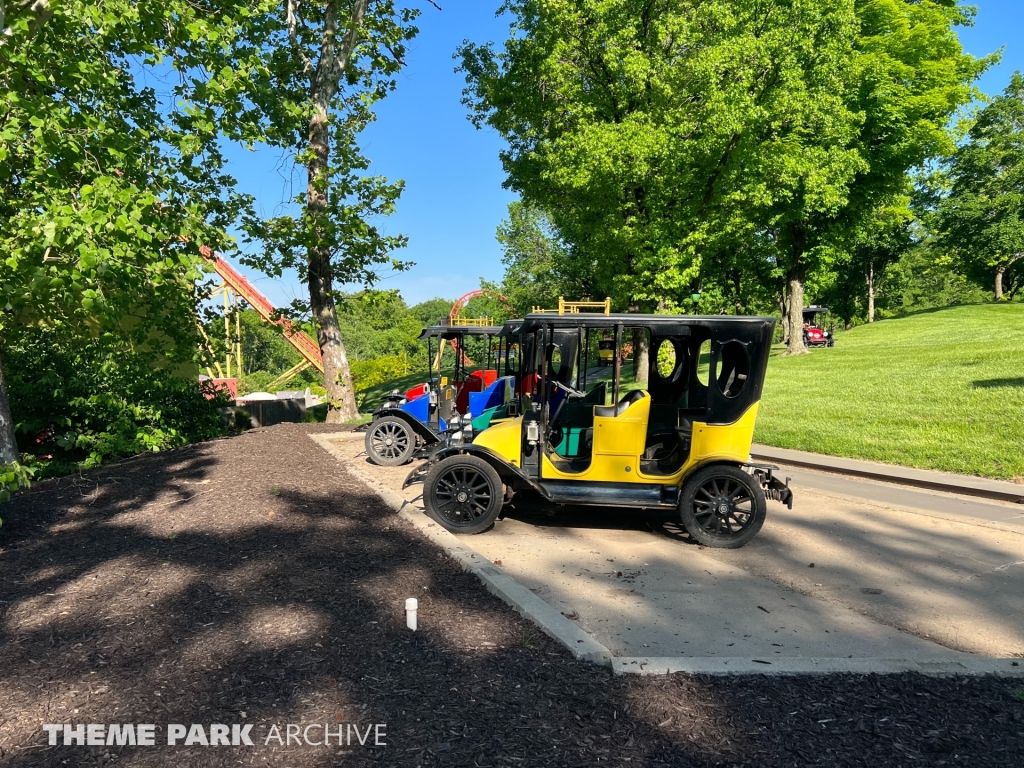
[646,129]
[539,265]
[657,134]
[907,76]
[981,221]
[8,444]
[378,324]
[303,76]
[431,311]
[103,192]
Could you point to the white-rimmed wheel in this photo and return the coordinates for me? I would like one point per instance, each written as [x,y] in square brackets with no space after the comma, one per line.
[463,494]
[389,442]
[722,506]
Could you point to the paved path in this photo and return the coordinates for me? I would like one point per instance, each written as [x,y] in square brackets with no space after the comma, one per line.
[999,490]
[889,580]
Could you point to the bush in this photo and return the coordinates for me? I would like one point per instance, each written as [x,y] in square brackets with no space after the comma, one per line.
[12,477]
[78,402]
[257,381]
[370,373]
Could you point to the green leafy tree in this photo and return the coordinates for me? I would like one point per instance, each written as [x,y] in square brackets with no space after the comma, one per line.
[264,348]
[432,311]
[647,129]
[658,134]
[540,265]
[303,76]
[981,221]
[907,75]
[104,192]
[856,279]
[378,324]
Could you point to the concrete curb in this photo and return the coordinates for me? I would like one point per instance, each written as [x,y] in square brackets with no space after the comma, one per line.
[921,478]
[498,583]
[714,665]
[585,647]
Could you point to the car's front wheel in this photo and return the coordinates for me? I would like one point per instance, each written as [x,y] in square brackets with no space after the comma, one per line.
[463,494]
[722,506]
[389,442]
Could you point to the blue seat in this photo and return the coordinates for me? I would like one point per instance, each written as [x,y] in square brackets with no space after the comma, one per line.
[499,393]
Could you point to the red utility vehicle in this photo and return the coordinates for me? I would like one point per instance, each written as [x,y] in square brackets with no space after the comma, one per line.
[815,334]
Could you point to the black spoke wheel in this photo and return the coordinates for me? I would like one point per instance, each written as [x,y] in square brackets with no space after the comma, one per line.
[722,506]
[389,442]
[464,494]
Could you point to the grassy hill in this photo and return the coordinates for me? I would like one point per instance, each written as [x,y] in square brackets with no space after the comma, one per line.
[942,389]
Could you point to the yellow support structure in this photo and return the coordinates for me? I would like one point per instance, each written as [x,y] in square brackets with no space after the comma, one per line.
[288,375]
[574,307]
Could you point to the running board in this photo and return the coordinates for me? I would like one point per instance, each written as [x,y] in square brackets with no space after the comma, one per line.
[635,495]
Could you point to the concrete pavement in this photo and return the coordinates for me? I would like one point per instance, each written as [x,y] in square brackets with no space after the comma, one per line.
[889,581]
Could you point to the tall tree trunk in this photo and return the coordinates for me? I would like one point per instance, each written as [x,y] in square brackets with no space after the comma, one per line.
[641,355]
[337,376]
[1001,273]
[795,279]
[871,291]
[325,80]
[8,447]
[784,307]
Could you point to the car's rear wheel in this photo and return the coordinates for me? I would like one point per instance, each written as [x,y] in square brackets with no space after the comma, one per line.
[722,506]
[463,494]
[389,442]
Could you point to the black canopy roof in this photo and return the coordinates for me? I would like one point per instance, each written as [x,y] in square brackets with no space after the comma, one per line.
[456,331]
[664,325]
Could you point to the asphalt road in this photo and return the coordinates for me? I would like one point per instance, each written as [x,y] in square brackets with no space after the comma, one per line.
[928,502]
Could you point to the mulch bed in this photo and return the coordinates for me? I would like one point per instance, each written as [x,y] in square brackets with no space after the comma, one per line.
[251,580]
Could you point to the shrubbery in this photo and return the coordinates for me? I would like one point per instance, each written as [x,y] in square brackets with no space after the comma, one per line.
[79,402]
[369,373]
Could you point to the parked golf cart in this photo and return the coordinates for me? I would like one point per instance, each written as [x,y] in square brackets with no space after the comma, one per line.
[682,444]
[815,334]
[605,351]
[438,411]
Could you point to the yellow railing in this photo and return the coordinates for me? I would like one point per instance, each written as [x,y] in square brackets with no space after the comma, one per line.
[473,322]
[574,307]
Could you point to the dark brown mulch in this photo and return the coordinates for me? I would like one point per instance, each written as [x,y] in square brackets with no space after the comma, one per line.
[254,576]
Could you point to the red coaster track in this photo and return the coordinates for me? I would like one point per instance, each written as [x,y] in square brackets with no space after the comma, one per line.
[305,346]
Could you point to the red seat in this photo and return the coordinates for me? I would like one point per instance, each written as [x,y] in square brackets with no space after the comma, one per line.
[474,383]
[415,392]
[528,384]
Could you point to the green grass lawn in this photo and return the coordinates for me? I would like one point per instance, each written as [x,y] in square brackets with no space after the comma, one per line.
[942,389]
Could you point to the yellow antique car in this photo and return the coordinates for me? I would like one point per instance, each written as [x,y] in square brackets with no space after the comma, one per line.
[680,443]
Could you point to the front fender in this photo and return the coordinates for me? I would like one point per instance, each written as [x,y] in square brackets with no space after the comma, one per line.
[417,426]
[510,474]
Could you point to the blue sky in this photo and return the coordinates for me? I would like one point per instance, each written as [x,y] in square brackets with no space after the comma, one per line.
[453,199]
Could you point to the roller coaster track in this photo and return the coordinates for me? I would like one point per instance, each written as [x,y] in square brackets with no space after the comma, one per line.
[235,280]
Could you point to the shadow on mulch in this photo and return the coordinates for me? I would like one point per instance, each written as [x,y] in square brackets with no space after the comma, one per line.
[252,580]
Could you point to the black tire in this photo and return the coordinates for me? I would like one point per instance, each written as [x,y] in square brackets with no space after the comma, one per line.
[463,494]
[389,442]
[722,506]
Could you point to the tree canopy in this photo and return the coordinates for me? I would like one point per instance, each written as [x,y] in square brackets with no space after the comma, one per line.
[667,139]
[982,218]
